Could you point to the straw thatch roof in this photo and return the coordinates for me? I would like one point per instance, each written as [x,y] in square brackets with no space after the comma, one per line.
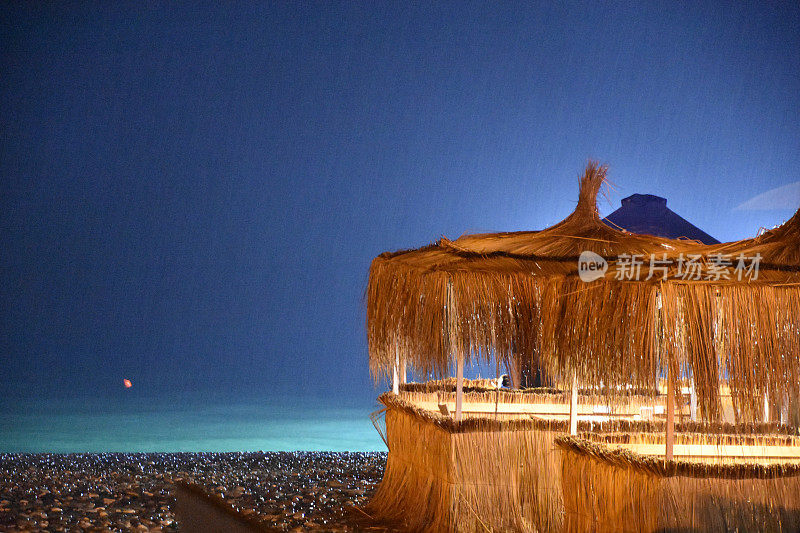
[519,295]
[648,214]
[778,247]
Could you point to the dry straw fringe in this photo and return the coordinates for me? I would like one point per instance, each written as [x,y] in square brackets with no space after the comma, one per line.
[618,490]
[444,390]
[474,481]
[481,472]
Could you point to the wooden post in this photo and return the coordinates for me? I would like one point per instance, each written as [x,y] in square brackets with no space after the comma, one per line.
[403,371]
[516,374]
[670,440]
[499,384]
[670,430]
[395,376]
[459,385]
[766,408]
[573,407]
[794,405]
[451,321]
[693,401]
[785,410]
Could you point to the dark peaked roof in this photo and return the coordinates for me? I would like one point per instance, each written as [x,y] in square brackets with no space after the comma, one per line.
[649,215]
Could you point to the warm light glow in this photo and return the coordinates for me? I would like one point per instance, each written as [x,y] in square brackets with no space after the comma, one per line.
[127,383]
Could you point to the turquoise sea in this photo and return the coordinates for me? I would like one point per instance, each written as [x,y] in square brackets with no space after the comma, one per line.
[199,424]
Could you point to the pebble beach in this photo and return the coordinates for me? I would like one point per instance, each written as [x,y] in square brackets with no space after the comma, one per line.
[290,491]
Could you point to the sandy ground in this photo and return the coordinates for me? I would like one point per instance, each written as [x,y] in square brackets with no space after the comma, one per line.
[298,491]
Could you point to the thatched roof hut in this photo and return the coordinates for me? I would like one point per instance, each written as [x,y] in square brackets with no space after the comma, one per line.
[520,296]
[602,311]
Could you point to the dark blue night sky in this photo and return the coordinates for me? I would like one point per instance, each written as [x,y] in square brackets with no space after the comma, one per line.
[191,194]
